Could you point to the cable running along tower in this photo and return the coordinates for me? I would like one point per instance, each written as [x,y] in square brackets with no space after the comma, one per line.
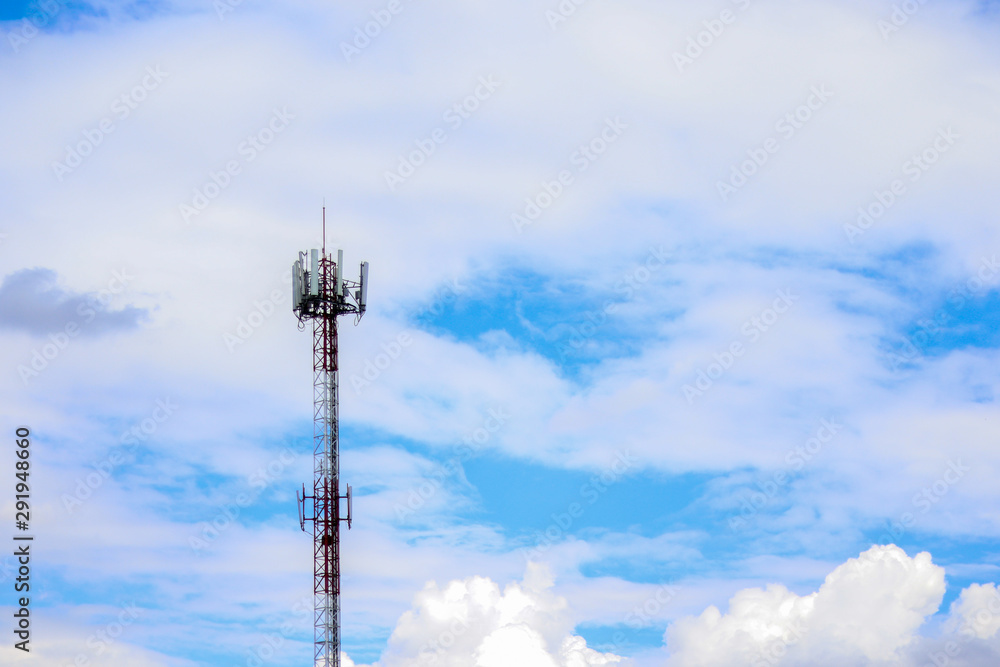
[321,294]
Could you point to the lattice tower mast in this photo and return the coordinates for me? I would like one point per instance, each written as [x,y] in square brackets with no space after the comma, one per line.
[321,294]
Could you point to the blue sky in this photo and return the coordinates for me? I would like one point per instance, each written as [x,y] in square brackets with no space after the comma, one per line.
[681,347]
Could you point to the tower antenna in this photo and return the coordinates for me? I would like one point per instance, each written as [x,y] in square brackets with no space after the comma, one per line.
[321,294]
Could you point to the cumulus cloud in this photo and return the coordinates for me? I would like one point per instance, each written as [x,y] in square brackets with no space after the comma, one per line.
[32,301]
[472,622]
[976,612]
[873,610]
[869,611]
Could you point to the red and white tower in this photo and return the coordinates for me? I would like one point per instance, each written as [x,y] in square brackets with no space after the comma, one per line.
[321,294]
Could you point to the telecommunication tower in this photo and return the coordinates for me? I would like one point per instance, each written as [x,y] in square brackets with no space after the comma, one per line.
[321,294]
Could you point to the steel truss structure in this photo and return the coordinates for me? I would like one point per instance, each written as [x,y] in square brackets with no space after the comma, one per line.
[322,295]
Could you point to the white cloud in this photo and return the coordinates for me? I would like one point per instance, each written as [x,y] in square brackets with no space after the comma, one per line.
[88,635]
[473,622]
[976,613]
[869,611]
[873,610]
